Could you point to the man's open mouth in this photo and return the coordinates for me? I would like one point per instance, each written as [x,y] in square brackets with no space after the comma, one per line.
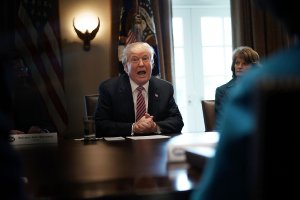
[141,73]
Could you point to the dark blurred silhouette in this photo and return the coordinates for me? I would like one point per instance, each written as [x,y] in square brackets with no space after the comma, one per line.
[229,174]
[11,182]
[29,111]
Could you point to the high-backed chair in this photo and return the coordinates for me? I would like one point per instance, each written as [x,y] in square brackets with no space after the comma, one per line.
[208,108]
[90,102]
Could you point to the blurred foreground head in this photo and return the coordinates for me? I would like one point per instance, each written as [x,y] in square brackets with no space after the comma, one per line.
[6,99]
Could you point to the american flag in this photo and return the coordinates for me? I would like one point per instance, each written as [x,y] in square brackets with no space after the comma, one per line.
[131,37]
[137,24]
[38,40]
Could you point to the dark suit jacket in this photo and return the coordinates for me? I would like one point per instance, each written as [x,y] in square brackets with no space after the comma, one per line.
[221,96]
[115,115]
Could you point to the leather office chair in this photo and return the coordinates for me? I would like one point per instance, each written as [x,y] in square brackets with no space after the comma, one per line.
[90,102]
[208,108]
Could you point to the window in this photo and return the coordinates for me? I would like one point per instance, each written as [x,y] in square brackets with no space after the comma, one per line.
[203,50]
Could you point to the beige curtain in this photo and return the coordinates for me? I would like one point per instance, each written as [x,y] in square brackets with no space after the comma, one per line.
[255,28]
[163,24]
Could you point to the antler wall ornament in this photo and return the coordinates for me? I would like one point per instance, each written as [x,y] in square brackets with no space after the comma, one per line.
[86,37]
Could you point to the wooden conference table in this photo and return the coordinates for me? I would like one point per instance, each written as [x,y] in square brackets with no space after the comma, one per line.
[128,169]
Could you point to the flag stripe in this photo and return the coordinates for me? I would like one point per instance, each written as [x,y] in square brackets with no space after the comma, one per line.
[54,55]
[131,37]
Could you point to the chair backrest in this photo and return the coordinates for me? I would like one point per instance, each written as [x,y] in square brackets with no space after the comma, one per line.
[208,108]
[90,104]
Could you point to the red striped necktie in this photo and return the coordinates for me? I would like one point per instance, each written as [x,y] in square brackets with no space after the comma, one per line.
[140,104]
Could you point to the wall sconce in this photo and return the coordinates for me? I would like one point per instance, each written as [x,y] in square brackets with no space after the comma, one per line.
[87,36]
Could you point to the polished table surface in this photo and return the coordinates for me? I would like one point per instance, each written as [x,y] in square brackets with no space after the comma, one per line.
[128,169]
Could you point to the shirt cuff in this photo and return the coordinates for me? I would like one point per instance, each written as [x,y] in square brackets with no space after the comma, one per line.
[157,129]
[132,133]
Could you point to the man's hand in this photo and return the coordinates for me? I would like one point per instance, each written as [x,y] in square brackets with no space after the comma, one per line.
[35,129]
[15,132]
[145,125]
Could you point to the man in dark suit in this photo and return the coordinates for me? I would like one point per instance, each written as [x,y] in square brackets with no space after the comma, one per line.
[115,112]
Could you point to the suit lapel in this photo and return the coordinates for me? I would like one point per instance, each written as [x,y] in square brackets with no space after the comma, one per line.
[153,98]
[125,94]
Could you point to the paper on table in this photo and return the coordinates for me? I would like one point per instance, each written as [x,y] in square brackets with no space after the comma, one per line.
[147,137]
[90,138]
[33,138]
[177,145]
[113,138]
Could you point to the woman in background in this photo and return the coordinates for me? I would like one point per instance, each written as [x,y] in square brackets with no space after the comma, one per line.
[243,58]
